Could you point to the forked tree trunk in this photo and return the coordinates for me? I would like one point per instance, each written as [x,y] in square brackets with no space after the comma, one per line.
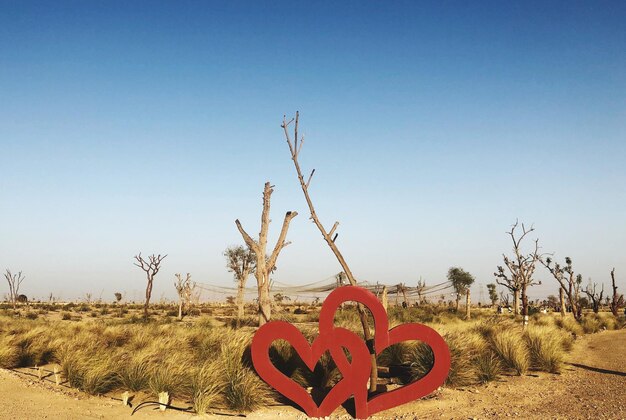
[562,300]
[467,304]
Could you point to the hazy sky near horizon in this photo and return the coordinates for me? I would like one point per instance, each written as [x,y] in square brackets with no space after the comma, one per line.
[432,126]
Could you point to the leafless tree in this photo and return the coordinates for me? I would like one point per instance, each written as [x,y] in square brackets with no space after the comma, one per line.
[594,297]
[618,300]
[518,275]
[569,282]
[184,288]
[151,268]
[241,262]
[265,265]
[295,148]
[421,285]
[15,281]
[505,299]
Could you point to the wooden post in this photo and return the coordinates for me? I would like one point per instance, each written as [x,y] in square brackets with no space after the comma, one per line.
[125,397]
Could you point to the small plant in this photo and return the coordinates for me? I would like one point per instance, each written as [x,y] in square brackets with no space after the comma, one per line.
[66,316]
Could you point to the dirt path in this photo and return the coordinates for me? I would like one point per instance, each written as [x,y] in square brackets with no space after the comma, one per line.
[592,386]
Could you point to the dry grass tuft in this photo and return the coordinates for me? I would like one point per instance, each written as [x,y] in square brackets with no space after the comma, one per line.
[546,349]
[511,349]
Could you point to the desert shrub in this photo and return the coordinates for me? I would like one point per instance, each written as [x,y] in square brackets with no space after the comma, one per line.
[169,379]
[30,315]
[570,325]
[66,316]
[246,321]
[421,359]
[546,349]
[488,367]
[100,375]
[242,389]
[465,348]
[511,349]
[206,387]
[9,354]
[134,373]
[396,354]
[590,324]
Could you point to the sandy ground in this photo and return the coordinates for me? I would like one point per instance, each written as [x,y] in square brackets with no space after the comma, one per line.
[592,386]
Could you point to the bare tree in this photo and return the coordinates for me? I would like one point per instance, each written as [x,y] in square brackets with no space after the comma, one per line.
[505,298]
[329,236]
[618,300]
[15,281]
[184,288]
[569,281]
[266,265]
[520,270]
[594,297]
[421,285]
[241,262]
[151,267]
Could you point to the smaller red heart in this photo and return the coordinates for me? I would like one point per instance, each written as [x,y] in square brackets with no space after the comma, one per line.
[355,374]
[423,386]
[384,338]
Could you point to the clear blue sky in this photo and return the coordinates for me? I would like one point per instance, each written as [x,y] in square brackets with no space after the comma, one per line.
[433,126]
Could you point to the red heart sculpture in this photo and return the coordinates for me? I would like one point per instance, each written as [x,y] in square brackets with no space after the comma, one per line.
[383,338]
[355,374]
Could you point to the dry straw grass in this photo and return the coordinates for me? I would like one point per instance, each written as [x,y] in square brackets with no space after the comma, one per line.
[509,345]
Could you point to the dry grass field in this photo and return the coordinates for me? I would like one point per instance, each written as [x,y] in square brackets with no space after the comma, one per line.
[203,361]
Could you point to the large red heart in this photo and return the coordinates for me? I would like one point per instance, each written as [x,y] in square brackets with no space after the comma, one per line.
[354,374]
[383,338]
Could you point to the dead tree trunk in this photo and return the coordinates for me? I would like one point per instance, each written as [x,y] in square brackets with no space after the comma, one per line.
[524,307]
[266,265]
[617,300]
[562,300]
[596,300]
[329,237]
[404,296]
[151,267]
[467,304]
